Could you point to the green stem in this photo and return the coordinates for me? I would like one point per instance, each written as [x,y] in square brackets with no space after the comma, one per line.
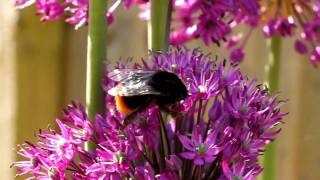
[159,26]
[273,71]
[96,55]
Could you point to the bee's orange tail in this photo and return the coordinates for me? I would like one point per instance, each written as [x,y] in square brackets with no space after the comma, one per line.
[121,106]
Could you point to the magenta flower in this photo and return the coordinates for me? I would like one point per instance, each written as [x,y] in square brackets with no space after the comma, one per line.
[199,150]
[237,55]
[41,163]
[213,22]
[32,165]
[220,130]
[75,12]
[49,9]
[144,173]
[301,47]
[113,160]
[78,123]
[239,171]
[315,56]
[146,130]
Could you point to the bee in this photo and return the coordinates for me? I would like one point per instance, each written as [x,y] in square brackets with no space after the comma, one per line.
[137,89]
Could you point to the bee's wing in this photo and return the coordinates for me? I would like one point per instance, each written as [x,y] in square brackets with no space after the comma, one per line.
[132,83]
[122,74]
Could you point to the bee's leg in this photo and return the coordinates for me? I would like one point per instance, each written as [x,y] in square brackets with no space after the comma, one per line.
[130,117]
[133,115]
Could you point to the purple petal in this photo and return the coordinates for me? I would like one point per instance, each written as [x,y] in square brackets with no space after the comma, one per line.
[188,155]
[210,140]
[237,55]
[301,47]
[214,150]
[186,142]
[209,159]
[226,170]
[198,161]
[95,168]
[272,133]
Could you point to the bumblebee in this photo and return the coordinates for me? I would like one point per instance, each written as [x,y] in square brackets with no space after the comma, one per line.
[137,89]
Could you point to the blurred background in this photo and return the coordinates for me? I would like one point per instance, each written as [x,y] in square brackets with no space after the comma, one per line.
[42,68]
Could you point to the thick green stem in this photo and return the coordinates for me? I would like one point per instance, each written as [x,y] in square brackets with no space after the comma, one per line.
[273,71]
[159,26]
[96,55]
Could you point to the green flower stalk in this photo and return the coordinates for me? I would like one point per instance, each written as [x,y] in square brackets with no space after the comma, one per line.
[159,26]
[273,73]
[96,55]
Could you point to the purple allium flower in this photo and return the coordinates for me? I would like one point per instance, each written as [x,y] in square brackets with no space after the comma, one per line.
[144,173]
[218,132]
[146,130]
[31,152]
[238,171]
[49,9]
[78,123]
[237,55]
[300,47]
[113,158]
[315,56]
[41,164]
[75,12]
[200,150]
[216,21]
[282,27]
[212,21]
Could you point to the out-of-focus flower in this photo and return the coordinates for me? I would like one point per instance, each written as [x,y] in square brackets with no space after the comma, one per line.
[49,9]
[237,55]
[212,21]
[215,21]
[285,19]
[75,12]
[219,130]
[301,47]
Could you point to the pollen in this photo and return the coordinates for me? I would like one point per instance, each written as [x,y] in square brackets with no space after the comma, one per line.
[202,89]
[174,66]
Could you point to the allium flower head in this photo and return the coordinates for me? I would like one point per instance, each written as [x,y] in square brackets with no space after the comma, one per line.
[214,22]
[217,132]
[75,12]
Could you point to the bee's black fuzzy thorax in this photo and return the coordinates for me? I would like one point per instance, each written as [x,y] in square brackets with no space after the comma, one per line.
[134,102]
[169,85]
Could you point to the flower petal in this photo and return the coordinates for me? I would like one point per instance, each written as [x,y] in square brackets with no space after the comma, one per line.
[198,161]
[186,142]
[188,155]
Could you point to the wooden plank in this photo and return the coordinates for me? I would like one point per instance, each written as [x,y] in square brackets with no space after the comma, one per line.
[7,88]
[40,74]
[307,137]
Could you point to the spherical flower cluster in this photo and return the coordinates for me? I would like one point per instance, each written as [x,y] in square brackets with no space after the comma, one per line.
[217,132]
[299,20]
[212,21]
[215,21]
[75,11]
